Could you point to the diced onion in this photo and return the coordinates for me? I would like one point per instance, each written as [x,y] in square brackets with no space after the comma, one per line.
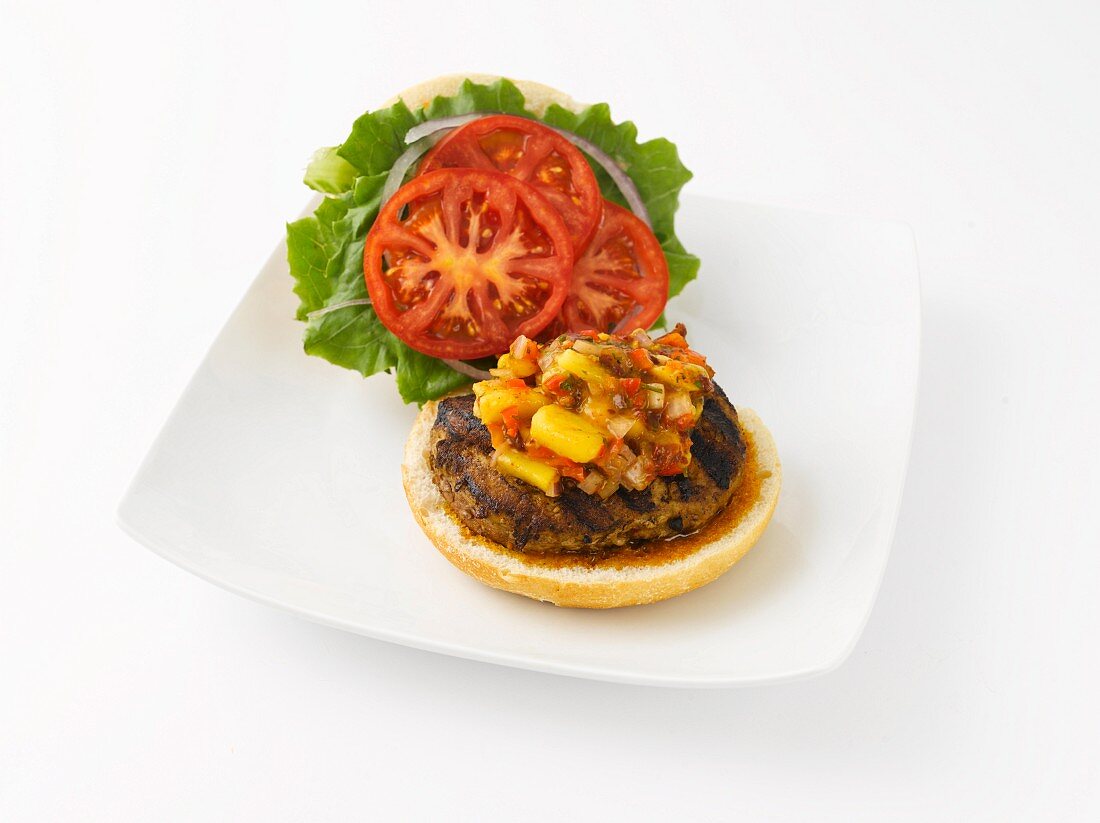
[519,346]
[679,404]
[591,483]
[637,476]
[582,346]
[608,488]
[620,425]
[627,455]
[640,337]
[613,467]
[654,396]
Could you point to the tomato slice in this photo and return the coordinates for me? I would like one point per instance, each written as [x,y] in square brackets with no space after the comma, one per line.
[534,154]
[620,283]
[460,262]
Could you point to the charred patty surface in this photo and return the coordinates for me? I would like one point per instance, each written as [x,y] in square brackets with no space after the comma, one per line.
[512,513]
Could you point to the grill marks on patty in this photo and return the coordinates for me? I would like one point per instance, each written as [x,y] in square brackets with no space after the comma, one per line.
[510,512]
[713,439]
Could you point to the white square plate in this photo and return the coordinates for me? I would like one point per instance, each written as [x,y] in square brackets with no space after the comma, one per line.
[278,475]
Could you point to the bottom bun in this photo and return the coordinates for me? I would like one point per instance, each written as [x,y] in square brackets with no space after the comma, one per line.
[628,577]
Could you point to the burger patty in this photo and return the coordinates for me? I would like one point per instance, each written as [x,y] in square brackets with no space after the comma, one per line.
[510,512]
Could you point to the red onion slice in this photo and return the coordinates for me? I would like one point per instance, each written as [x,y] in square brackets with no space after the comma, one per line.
[419,140]
[468,370]
[432,126]
[396,178]
[321,312]
[621,178]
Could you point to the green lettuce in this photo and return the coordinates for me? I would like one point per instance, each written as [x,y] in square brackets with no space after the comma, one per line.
[325,251]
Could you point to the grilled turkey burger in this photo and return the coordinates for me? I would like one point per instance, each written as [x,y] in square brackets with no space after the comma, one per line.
[596,471]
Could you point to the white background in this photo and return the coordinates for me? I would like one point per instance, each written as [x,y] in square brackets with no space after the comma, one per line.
[149,155]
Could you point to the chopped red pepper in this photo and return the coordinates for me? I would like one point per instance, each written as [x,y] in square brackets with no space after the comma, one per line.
[496,434]
[552,384]
[631,385]
[684,422]
[570,469]
[693,356]
[567,467]
[641,359]
[516,383]
[674,339]
[511,424]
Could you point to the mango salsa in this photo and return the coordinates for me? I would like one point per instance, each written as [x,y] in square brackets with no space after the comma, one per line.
[599,410]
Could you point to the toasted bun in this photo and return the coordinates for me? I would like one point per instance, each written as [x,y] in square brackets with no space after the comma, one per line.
[608,583]
[539,97]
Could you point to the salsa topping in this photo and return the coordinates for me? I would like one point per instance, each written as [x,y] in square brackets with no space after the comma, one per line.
[600,409]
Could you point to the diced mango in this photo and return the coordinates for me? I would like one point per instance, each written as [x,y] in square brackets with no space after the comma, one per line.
[493,401]
[482,386]
[584,367]
[598,408]
[676,376]
[529,470]
[566,433]
[520,368]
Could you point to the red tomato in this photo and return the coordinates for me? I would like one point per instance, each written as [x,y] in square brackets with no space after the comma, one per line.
[460,262]
[534,154]
[620,283]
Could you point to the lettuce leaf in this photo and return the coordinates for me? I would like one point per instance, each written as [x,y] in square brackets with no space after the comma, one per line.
[325,251]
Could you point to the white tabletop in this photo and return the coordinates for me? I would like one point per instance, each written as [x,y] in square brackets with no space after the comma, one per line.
[149,155]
